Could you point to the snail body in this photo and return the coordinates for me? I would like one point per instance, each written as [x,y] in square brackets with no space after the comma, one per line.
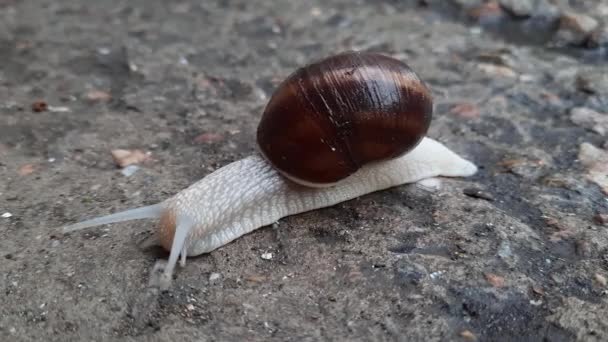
[333,104]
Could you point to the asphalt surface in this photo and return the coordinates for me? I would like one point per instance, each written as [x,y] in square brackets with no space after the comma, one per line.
[517,252]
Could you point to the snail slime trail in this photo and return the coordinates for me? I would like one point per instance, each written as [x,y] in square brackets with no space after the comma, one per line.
[339,128]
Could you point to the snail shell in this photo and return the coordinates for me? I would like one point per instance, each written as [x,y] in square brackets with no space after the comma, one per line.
[329,118]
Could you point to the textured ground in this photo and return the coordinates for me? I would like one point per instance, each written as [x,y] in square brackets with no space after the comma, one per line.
[187,81]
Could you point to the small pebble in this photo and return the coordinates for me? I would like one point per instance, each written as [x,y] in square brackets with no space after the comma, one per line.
[478,193]
[214,276]
[504,250]
[27,169]
[497,70]
[59,109]
[598,38]
[190,307]
[476,31]
[315,11]
[124,158]
[551,98]
[98,96]
[468,335]
[267,256]
[129,170]
[466,110]
[601,219]
[526,78]
[601,279]
[40,106]
[103,51]
[518,8]
[207,138]
[488,11]
[258,278]
[539,291]
[436,274]
[495,280]
[7,215]
[525,168]
[575,28]
[559,279]
[495,57]
[591,84]
[595,161]
[590,119]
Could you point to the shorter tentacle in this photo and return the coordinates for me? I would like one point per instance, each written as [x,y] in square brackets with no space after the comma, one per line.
[178,247]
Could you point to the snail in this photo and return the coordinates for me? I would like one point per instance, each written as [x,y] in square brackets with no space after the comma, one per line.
[336,129]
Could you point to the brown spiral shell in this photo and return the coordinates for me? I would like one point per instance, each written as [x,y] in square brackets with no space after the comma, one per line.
[329,118]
